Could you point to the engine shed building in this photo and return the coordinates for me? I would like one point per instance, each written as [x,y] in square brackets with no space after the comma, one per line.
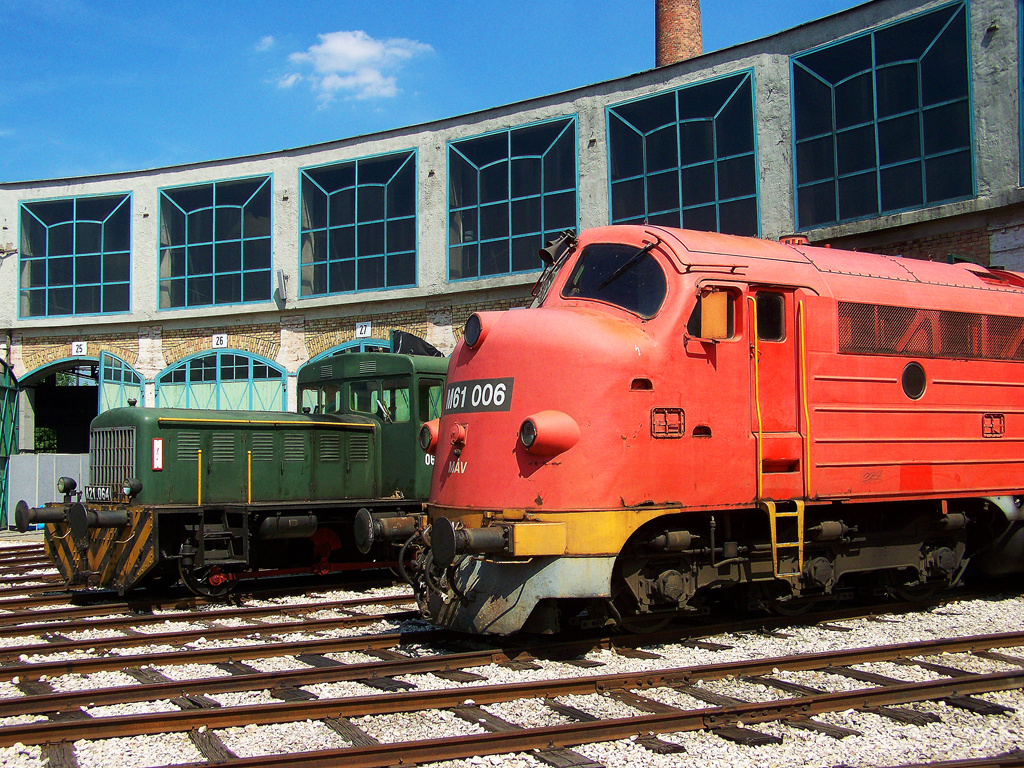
[894,126]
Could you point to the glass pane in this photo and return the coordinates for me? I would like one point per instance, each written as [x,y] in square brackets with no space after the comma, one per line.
[462,226]
[525,253]
[343,207]
[87,269]
[256,255]
[370,273]
[494,258]
[462,182]
[812,103]
[494,221]
[228,257]
[199,260]
[463,261]
[236,193]
[199,291]
[560,163]
[897,89]
[200,226]
[816,204]
[838,62]
[229,223]
[739,217]
[625,148]
[370,239]
[117,228]
[401,269]
[858,196]
[662,146]
[88,237]
[628,199]
[526,216]
[60,301]
[485,149]
[944,70]
[526,176]
[855,102]
[115,298]
[370,205]
[948,177]
[696,141]
[116,267]
[698,184]
[734,127]
[172,224]
[494,183]
[61,240]
[343,243]
[901,187]
[649,114]
[87,300]
[256,286]
[899,139]
[855,149]
[314,205]
[228,289]
[401,196]
[947,127]
[663,192]
[342,276]
[815,160]
[401,235]
[60,271]
[560,211]
[704,218]
[736,177]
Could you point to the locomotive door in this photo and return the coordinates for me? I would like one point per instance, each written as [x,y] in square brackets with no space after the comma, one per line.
[775,391]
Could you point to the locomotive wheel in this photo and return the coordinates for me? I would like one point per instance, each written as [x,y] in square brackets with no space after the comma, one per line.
[197,580]
[911,592]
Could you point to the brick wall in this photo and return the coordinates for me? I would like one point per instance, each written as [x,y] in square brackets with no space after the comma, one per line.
[677,31]
[969,244]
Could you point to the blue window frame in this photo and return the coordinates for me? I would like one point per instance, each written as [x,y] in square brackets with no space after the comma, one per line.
[223,381]
[215,243]
[508,193]
[75,256]
[358,227]
[882,121]
[687,158]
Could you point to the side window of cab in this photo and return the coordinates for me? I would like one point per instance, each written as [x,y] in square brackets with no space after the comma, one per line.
[713,316]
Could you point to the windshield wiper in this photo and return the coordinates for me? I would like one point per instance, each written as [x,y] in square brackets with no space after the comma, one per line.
[630,263]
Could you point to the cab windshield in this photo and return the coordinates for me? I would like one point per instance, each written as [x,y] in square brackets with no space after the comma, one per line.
[623,275]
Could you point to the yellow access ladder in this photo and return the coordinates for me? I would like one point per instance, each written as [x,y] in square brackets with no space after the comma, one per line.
[774,515]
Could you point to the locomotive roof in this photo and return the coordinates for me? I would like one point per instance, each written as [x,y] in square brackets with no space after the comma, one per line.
[197,418]
[845,275]
[355,365]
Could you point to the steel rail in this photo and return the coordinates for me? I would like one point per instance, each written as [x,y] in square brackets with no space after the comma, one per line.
[409,701]
[575,734]
[13,652]
[53,702]
[36,624]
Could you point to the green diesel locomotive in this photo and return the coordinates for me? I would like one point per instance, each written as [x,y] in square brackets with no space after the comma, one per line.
[212,497]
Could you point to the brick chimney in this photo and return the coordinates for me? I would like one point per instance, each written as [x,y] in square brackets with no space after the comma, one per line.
[677,31]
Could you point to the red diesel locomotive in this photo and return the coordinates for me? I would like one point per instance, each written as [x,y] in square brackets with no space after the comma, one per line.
[684,417]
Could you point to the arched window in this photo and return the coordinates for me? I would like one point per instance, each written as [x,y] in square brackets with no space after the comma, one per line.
[224,380]
[118,383]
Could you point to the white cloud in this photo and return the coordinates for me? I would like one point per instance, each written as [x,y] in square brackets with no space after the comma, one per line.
[265,43]
[288,80]
[355,64]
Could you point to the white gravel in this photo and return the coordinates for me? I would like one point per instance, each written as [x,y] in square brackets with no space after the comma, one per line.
[958,734]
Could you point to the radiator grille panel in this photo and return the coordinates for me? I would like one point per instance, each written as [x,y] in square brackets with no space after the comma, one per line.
[359,448]
[330,448]
[294,448]
[263,446]
[188,446]
[223,446]
[111,455]
[877,329]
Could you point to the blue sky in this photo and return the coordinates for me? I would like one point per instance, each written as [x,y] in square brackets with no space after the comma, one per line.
[101,87]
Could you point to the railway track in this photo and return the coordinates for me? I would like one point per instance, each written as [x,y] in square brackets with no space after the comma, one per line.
[353,678]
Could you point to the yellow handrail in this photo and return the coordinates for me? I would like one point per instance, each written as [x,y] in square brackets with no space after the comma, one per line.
[801,318]
[199,478]
[757,392]
[249,480]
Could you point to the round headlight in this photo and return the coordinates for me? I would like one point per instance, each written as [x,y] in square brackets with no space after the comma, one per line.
[425,437]
[66,485]
[131,487]
[474,329]
[528,433]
